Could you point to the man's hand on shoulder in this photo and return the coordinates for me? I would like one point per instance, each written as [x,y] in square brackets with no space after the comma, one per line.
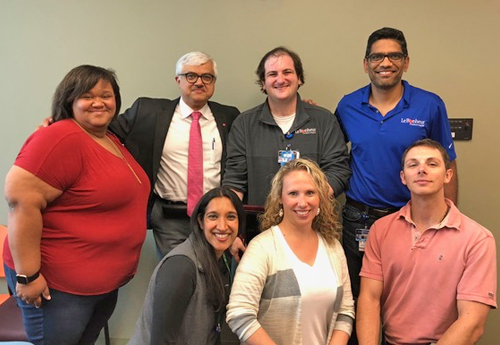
[45,123]
[236,247]
[309,101]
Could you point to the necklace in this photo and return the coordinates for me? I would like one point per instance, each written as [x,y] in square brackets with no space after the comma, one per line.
[114,149]
[123,158]
[218,327]
[446,213]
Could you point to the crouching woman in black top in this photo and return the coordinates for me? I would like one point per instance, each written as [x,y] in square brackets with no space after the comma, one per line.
[188,292]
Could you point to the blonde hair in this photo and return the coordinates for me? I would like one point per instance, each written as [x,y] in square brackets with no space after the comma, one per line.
[326,223]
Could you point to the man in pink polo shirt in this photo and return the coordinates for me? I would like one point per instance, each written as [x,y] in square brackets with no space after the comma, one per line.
[429,271]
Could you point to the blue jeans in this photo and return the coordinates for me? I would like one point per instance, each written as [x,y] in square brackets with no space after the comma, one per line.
[66,318]
[353,219]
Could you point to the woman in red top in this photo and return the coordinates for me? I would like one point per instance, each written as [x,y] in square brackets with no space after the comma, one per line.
[77,214]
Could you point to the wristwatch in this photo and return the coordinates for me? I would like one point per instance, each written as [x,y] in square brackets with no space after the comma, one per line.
[23,279]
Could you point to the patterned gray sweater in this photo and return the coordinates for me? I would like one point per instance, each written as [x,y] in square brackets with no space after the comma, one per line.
[266,293]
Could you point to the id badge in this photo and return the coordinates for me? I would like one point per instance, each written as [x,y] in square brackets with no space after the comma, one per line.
[285,156]
[361,236]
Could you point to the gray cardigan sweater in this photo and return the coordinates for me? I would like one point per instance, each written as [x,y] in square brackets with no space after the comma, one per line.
[199,319]
[266,293]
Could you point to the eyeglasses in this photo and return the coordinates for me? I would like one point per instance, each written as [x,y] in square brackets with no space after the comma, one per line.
[192,78]
[377,57]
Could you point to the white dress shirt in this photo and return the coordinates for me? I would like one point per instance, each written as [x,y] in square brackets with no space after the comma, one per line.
[171,183]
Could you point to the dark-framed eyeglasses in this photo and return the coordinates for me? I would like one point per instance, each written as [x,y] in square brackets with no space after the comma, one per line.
[192,77]
[378,57]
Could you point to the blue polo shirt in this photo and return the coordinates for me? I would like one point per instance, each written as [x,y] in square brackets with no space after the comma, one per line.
[378,142]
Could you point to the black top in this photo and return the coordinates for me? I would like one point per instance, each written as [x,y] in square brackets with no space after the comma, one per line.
[175,285]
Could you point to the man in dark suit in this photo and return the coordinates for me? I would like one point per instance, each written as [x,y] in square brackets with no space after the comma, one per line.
[157,134]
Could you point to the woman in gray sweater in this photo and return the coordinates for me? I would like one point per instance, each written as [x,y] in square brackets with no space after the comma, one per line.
[187,294]
[292,286]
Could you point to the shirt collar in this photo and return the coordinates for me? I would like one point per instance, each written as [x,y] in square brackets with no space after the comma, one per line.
[406,93]
[301,116]
[452,220]
[186,110]
[365,99]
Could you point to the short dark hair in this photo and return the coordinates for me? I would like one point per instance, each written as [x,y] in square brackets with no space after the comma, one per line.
[428,143]
[384,34]
[78,81]
[276,52]
[204,252]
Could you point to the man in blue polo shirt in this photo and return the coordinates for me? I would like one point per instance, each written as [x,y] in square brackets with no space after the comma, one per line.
[381,120]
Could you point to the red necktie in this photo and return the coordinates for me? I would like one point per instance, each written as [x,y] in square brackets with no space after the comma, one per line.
[195,164]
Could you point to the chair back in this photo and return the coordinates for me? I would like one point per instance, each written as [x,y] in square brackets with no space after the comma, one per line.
[3,235]
[11,321]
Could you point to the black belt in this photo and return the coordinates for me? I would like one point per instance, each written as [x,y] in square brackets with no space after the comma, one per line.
[372,211]
[173,209]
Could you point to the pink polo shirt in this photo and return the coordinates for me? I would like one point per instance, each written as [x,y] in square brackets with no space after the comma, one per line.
[425,275]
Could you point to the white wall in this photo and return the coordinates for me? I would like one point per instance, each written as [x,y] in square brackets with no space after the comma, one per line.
[453,47]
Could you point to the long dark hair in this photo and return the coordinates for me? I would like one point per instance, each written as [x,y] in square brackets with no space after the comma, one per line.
[205,253]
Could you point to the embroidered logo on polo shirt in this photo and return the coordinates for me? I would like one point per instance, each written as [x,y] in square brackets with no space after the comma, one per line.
[306,131]
[413,122]
[491,295]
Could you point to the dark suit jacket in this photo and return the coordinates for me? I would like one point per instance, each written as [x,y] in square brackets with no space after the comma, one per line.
[143,128]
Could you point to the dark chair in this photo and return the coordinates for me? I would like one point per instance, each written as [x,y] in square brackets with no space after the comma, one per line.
[107,341]
[11,321]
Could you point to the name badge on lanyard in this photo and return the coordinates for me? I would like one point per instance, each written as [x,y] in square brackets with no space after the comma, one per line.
[285,156]
[361,237]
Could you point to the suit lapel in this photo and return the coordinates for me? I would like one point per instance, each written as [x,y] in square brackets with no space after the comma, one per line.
[221,121]
[162,124]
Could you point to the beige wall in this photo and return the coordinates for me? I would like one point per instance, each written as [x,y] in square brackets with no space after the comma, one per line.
[454,49]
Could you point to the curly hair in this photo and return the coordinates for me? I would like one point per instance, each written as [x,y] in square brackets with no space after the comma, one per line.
[326,223]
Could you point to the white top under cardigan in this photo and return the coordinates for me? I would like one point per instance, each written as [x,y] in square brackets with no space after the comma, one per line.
[318,291]
[266,293]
